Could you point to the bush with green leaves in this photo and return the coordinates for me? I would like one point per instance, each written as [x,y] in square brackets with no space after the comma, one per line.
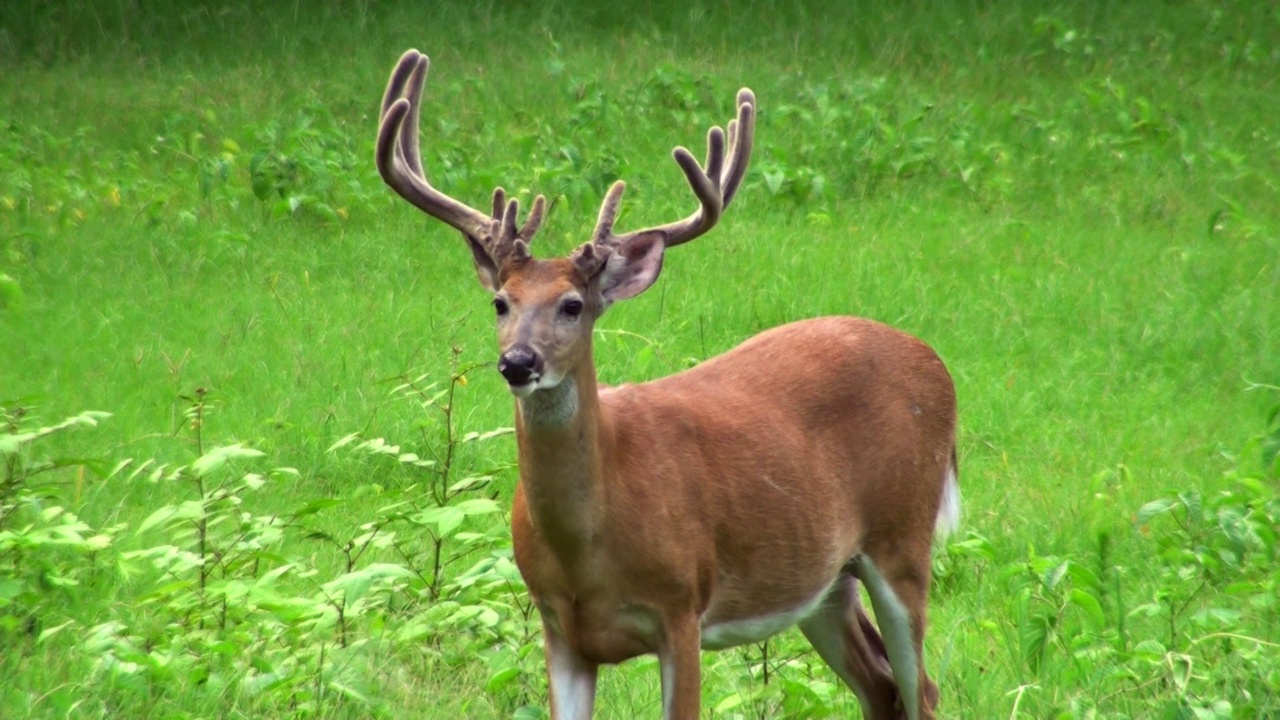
[229,605]
[45,548]
[1194,628]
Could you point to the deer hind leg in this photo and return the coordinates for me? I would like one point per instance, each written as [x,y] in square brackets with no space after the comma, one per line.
[846,639]
[898,588]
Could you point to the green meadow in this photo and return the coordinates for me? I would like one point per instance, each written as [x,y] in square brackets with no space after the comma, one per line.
[256,461]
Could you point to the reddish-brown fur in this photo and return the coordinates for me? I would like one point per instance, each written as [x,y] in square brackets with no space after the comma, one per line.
[719,504]
[752,477]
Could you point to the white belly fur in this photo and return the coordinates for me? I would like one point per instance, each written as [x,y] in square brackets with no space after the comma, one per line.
[731,633]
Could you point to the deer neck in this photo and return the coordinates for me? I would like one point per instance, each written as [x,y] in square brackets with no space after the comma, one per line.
[562,438]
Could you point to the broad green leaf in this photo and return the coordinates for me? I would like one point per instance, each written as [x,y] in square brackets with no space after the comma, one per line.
[488,617]
[482,436]
[349,692]
[316,506]
[1154,508]
[11,442]
[1089,605]
[450,519]
[355,585]
[259,174]
[158,517]
[1216,617]
[11,295]
[1150,650]
[444,519]
[379,538]
[478,506]
[1256,487]
[415,629]
[773,180]
[120,466]
[1034,637]
[469,483]
[156,474]
[1204,713]
[501,679]
[729,703]
[344,441]
[10,588]
[217,457]
[188,510]
[272,575]
[437,397]
[1055,575]
[379,446]
[1194,504]
[1243,588]
[1082,576]
[50,632]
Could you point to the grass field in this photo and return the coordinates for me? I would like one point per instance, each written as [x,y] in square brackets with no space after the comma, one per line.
[1077,205]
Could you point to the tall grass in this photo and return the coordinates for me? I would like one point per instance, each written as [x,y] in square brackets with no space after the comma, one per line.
[1076,205]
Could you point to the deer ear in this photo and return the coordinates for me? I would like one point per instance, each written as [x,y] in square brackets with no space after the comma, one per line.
[486,268]
[633,266]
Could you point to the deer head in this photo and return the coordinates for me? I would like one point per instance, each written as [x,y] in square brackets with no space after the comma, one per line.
[546,309]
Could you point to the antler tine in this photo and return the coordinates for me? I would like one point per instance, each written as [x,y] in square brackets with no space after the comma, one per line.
[397,151]
[741,137]
[608,214]
[411,72]
[499,202]
[533,222]
[400,164]
[508,232]
[715,156]
[399,78]
[714,184]
[707,190]
[408,146]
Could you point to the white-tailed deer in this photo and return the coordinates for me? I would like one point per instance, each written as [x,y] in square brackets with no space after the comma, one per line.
[720,505]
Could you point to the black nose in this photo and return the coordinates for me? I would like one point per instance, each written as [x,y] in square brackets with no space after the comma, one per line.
[518,364]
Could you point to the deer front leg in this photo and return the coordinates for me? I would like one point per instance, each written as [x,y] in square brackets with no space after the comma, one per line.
[572,678]
[681,663]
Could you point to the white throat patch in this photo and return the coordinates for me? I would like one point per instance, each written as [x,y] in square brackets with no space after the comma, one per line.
[551,406]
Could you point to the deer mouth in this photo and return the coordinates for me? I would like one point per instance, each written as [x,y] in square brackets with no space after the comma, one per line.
[523,389]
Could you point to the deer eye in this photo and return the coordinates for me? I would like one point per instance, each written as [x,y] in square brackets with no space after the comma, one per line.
[500,306]
[572,308]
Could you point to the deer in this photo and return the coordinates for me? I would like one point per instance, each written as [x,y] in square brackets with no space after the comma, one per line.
[721,505]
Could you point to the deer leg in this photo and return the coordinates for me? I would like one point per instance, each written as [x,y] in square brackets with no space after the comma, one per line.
[681,663]
[898,597]
[844,637]
[572,678]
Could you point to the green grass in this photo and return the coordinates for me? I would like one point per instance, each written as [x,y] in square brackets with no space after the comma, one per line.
[1076,206]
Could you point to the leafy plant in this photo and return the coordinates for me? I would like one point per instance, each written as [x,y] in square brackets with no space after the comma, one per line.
[431,513]
[307,167]
[428,524]
[45,549]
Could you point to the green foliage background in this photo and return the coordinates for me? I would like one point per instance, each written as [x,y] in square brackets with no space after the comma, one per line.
[1075,204]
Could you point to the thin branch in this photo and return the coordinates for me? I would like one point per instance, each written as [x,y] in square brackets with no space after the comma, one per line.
[1233,636]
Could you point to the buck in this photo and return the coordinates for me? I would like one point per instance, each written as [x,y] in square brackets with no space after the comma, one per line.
[721,505]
